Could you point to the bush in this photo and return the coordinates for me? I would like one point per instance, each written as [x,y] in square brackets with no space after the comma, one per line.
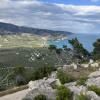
[23,76]
[81,97]
[95,89]
[26,99]
[96,51]
[82,81]
[63,77]
[63,93]
[42,72]
[40,97]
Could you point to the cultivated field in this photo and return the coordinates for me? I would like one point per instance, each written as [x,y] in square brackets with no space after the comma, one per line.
[24,40]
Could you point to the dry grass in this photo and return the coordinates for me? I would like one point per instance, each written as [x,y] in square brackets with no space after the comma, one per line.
[80,72]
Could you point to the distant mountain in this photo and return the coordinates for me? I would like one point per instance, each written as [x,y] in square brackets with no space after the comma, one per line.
[8,29]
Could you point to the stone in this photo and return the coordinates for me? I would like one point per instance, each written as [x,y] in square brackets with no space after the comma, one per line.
[93,81]
[70,84]
[94,65]
[76,89]
[92,95]
[74,66]
[94,74]
[85,65]
[91,61]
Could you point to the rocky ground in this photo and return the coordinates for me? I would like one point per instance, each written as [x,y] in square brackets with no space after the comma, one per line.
[15,96]
[46,86]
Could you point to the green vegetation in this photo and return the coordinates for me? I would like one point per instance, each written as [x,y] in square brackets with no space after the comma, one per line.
[96,51]
[52,47]
[42,72]
[65,47]
[81,97]
[64,77]
[64,93]
[40,97]
[82,81]
[95,89]
[79,50]
[24,40]
[23,76]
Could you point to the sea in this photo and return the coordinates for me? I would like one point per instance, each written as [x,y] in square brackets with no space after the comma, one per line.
[86,39]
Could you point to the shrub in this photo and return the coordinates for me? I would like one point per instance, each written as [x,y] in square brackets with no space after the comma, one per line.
[96,51]
[42,72]
[40,97]
[81,97]
[82,81]
[63,93]
[63,77]
[2,87]
[26,99]
[95,89]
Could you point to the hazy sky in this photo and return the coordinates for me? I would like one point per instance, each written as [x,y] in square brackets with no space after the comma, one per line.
[78,16]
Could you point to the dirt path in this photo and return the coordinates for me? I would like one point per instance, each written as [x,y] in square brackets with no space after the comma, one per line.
[15,96]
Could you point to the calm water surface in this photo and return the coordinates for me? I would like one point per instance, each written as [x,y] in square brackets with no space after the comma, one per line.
[86,39]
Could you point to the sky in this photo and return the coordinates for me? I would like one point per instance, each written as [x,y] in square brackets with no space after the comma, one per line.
[77,16]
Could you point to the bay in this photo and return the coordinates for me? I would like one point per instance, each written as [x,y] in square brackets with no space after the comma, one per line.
[86,39]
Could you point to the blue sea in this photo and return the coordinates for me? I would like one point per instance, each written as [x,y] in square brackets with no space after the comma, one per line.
[86,39]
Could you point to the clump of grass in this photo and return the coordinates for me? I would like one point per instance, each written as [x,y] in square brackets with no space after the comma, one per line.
[64,93]
[82,81]
[95,89]
[40,97]
[64,77]
[81,97]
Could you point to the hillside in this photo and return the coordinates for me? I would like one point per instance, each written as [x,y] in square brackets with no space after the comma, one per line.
[6,28]
[23,40]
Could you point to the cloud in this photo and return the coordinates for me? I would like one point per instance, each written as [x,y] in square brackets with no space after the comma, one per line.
[33,13]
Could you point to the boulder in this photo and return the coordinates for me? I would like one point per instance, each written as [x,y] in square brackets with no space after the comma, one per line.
[74,66]
[94,74]
[70,84]
[92,95]
[93,81]
[76,89]
[85,65]
[94,65]
[50,94]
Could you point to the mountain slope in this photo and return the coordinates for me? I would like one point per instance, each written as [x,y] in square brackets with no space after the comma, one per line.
[6,28]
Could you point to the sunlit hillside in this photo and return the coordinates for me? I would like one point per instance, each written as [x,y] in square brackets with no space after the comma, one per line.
[23,40]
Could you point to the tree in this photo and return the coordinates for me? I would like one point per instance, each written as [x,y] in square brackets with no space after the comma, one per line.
[59,51]
[96,51]
[78,48]
[65,47]
[52,47]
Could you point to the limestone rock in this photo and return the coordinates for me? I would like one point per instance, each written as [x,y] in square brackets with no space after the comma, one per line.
[76,89]
[94,74]
[92,95]
[93,81]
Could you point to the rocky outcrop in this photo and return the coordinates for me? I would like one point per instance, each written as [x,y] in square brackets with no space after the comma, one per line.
[43,86]
[94,74]
[92,95]
[94,79]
